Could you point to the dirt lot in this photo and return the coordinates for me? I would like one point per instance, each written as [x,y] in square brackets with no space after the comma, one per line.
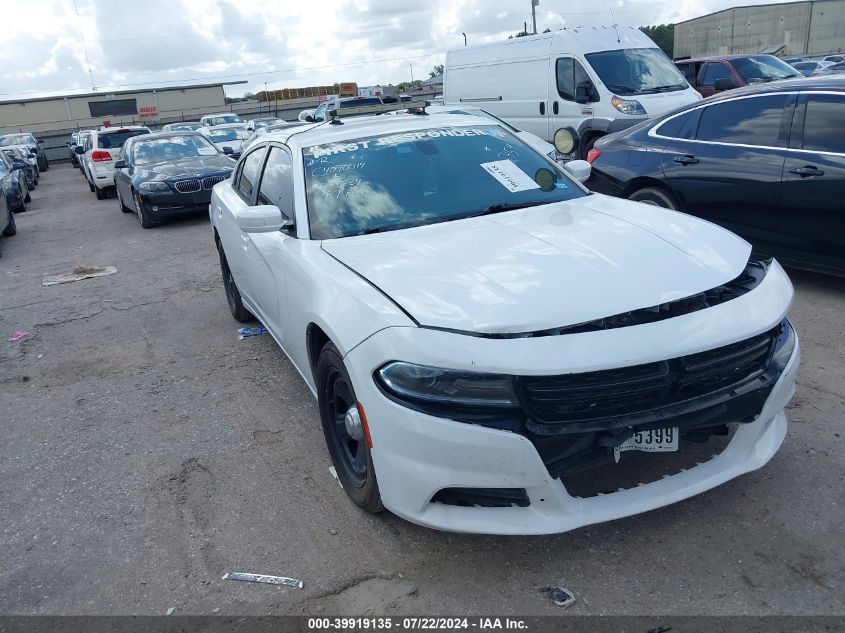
[145,451]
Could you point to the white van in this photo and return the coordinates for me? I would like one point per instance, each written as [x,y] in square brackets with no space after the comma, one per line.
[595,80]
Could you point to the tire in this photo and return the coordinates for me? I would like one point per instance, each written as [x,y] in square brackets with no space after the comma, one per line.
[101,194]
[11,229]
[28,196]
[655,196]
[143,218]
[588,145]
[91,187]
[233,295]
[123,207]
[351,458]
[46,164]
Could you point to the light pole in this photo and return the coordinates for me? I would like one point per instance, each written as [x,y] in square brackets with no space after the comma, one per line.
[412,72]
[266,96]
[465,38]
[534,4]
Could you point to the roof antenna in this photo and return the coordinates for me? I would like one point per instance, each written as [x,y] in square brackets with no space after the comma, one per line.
[618,41]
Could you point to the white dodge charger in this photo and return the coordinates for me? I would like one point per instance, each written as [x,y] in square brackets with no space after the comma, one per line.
[482,333]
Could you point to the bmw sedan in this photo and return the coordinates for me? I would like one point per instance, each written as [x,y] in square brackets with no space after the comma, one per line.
[766,162]
[158,176]
[492,348]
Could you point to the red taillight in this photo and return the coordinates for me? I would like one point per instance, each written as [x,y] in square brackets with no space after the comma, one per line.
[99,156]
[592,155]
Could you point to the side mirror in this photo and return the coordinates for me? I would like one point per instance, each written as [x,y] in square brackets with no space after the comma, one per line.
[582,92]
[228,150]
[310,119]
[121,164]
[579,169]
[566,141]
[725,83]
[79,149]
[264,218]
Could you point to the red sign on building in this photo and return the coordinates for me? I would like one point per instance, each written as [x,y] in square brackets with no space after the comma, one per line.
[148,112]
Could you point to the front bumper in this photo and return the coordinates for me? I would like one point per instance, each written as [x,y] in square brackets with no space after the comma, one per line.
[171,204]
[415,455]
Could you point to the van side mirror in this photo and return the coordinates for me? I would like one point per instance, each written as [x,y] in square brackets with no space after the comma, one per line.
[584,92]
[726,83]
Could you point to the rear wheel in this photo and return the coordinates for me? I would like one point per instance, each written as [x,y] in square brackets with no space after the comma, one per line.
[233,295]
[11,229]
[28,196]
[344,432]
[587,145]
[100,193]
[656,197]
[91,187]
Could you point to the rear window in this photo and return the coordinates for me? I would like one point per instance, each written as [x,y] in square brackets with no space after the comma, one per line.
[114,140]
[360,103]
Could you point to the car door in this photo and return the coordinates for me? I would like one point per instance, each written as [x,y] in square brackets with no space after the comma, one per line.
[267,254]
[813,188]
[729,170]
[232,201]
[566,112]
[121,177]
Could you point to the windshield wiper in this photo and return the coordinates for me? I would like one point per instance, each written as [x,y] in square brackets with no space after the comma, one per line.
[667,88]
[499,207]
[373,229]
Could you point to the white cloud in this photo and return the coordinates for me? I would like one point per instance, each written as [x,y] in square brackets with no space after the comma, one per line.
[280,43]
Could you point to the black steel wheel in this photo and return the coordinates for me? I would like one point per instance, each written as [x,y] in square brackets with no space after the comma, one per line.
[350,454]
[233,295]
[11,229]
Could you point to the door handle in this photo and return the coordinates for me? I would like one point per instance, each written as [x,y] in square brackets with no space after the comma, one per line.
[687,159]
[807,171]
[542,107]
[554,107]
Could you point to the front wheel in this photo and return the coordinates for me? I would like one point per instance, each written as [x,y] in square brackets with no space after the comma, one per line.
[344,431]
[123,207]
[100,193]
[233,295]
[656,197]
[11,229]
[28,197]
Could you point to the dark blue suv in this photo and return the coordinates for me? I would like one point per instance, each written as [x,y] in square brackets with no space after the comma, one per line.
[766,162]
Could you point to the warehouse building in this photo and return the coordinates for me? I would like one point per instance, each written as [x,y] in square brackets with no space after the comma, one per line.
[811,28]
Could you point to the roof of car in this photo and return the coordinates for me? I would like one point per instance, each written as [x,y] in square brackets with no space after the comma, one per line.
[372,125]
[118,128]
[225,126]
[164,134]
[826,82]
[717,58]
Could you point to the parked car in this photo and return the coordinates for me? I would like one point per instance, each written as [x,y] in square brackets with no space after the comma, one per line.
[596,80]
[72,142]
[14,184]
[767,162]
[227,137]
[793,60]
[339,104]
[167,174]
[256,124]
[809,68]
[7,218]
[99,153]
[710,75]
[184,126]
[264,130]
[222,118]
[836,59]
[465,313]
[27,166]
[83,135]
[27,139]
[835,69]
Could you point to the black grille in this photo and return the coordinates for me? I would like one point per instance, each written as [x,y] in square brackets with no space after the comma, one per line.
[210,181]
[187,186]
[592,396]
[483,497]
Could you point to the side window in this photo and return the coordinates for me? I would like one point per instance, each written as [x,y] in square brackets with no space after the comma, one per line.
[676,127]
[714,71]
[688,71]
[749,121]
[824,123]
[570,73]
[277,182]
[248,176]
[320,113]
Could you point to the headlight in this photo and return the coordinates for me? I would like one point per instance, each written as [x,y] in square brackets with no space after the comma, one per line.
[153,185]
[431,386]
[627,106]
[785,345]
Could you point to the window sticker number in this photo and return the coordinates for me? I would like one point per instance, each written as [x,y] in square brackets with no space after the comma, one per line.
[510,176]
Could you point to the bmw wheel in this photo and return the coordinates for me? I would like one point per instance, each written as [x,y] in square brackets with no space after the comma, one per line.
[11,229]
[344,428]
[123,207]
[143,218]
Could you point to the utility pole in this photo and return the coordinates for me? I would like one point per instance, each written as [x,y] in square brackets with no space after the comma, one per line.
[465,38]
[534,4]
[412,72]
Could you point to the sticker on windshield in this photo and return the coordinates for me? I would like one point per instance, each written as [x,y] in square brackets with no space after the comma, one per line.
[206,151]
[510,176]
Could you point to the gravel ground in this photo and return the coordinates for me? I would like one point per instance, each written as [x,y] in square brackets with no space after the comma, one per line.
[145,451]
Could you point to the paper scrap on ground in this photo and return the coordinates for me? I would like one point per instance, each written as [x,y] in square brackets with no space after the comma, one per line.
[270,580]
[82,272]
[510,176]
[17,336]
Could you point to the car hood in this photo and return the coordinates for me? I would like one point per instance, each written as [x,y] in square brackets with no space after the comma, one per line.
[544,267]
[194,167]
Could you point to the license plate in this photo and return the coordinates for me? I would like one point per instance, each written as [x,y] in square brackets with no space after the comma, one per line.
[653,441]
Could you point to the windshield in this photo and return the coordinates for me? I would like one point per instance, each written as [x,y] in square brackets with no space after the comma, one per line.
[222,119]
[17,139]
[113,140]
[383,183]
[228,134]
[633,71]
[259,123]
[183,127]
[171,148]
[761,68]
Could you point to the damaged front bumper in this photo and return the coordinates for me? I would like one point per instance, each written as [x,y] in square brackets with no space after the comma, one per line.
[446,474]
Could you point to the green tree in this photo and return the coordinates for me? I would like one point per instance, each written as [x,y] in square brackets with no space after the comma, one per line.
[437,70]
[520,34]
[663,35]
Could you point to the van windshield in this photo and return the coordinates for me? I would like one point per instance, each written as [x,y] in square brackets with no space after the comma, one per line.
[636,71]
